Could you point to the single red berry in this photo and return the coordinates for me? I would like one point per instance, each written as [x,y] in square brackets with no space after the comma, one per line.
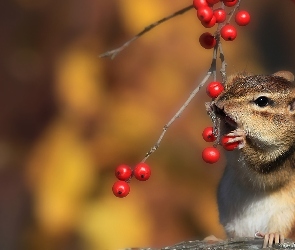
[220,15]
[200,3]
[230,3]
[212,2]
[210,155]
[228,32]
[229,146]
[207,41]
[142,171]
[209,24]
[121,189]
[205,14]
[208,135]
[123,172]
[214,89]
[242,18]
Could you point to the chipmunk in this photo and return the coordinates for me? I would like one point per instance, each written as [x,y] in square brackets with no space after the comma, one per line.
[257,189]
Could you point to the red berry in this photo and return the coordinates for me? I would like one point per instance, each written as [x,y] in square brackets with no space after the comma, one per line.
[220,15]
[142,171]
[212,2]
[228,32]
[209,24]
[208,134]
[229,146]
[200,3]
[123,172]
[121,189]
[210,155]
[230,3]
[242,18]
[207,41]
[205,13]
[214,89]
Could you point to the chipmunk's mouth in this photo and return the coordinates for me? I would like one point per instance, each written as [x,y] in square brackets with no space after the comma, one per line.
[228,120]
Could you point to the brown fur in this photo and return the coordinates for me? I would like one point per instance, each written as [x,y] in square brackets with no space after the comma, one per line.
[263,171]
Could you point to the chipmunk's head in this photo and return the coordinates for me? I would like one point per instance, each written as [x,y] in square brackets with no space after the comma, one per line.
[263,106]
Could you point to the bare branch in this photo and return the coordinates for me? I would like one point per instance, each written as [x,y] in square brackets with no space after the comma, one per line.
[178,113]
[114,52]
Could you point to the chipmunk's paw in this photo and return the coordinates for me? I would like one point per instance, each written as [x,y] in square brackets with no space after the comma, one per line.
[211,239]
[237,135]
[270,238]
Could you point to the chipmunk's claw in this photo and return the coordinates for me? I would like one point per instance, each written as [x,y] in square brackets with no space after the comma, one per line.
[237,132]
[270,238]
[238,135]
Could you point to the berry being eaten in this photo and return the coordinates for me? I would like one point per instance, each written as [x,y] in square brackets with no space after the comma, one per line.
[121,189]
[210,155]
[142,171]
[229,146]
[214,89]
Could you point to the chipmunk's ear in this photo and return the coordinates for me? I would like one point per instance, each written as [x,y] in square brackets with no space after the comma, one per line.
[285,74]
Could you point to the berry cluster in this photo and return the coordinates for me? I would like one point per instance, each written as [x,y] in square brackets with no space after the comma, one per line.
[124,173]
[211,154]
[209,17]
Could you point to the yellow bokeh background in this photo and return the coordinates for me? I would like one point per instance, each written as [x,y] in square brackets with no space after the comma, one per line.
[68,118]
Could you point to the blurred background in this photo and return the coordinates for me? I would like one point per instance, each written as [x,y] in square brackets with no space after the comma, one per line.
[68,118]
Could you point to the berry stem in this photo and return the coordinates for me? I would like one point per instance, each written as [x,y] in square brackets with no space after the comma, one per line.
[223,62]
[213,64]
[113,53]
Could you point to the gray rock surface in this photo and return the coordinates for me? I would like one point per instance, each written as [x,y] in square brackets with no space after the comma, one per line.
[236,243]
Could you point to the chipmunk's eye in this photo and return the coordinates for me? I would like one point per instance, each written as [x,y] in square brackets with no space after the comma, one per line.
[262,101]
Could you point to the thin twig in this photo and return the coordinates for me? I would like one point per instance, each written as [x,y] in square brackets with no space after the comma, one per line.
[223,62]
[214,61]
[114,52]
